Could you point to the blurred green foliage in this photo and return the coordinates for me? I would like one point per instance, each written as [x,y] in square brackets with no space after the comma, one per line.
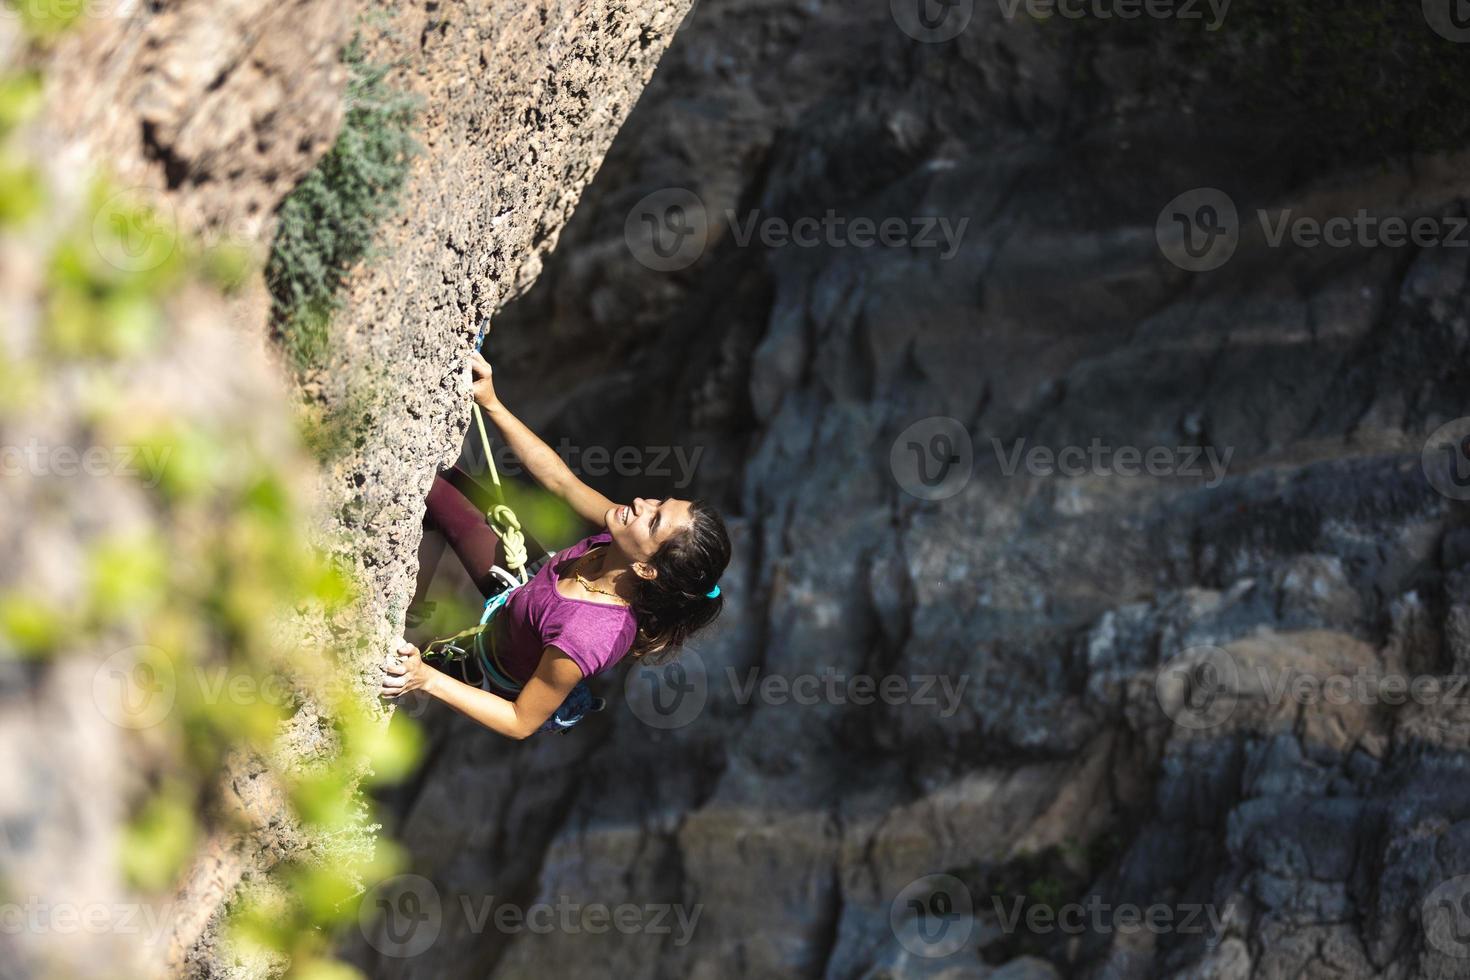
[20,192]
[20,181]
[47,19]
[20,100]
[215,573]
[330,430]
[328,222]
[107,281]
[160,839]
[31,625]
[543,515]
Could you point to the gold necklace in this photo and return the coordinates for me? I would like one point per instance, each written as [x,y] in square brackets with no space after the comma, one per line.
[582,581]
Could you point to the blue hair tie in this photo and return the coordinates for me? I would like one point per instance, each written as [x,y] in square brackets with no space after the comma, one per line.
[713,593]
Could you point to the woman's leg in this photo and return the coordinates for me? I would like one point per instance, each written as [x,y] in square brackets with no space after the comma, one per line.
[431,549]
[463,525]
[484,498]
[456,509]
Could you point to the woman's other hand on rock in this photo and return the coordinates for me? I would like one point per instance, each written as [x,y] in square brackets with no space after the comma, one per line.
[482,384]
[410,673]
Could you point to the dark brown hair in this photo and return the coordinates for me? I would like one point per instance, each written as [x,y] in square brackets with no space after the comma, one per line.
[675,605]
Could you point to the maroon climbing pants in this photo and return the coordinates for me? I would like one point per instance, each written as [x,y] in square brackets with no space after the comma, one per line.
[456,509]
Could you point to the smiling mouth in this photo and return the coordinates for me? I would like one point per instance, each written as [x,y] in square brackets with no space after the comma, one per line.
[625,514]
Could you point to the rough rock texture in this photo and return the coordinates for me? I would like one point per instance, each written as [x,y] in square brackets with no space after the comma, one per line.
[1080,763]
[520,103]
[218,110]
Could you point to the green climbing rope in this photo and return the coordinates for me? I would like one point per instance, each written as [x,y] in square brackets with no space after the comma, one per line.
[508,526]
[501,517]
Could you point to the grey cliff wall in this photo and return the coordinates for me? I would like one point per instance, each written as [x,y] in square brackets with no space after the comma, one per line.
[1318,832]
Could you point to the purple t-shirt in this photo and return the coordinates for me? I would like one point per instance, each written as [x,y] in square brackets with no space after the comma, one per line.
[595,635]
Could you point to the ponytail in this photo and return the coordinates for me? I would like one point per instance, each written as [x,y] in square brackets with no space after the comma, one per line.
[684,597]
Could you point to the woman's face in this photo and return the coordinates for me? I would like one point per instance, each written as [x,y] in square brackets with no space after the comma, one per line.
[641,528]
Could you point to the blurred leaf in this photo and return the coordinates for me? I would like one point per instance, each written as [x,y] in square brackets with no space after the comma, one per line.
[391,749]
[20,99]
[320,969]
[158,841]
[47,18]
[20,191]
[267,498]
[192,460]
[326,891]
[18,383]
[233,706]
[130,323]
[228,266]
[324,798]
[128,575]
[264,922]
[31,626]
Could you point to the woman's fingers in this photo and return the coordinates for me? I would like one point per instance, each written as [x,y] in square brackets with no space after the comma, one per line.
[398,674]
[479,366]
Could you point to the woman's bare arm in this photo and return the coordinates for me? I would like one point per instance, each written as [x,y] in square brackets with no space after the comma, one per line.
[554,679]
[540,460]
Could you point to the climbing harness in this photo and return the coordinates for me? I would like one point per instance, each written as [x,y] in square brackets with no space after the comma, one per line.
[470,644]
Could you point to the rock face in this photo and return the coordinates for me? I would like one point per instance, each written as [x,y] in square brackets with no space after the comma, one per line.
[520,103]
[218,110]
[1144,672]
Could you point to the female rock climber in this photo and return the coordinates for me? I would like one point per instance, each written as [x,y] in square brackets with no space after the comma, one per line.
[641,586]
